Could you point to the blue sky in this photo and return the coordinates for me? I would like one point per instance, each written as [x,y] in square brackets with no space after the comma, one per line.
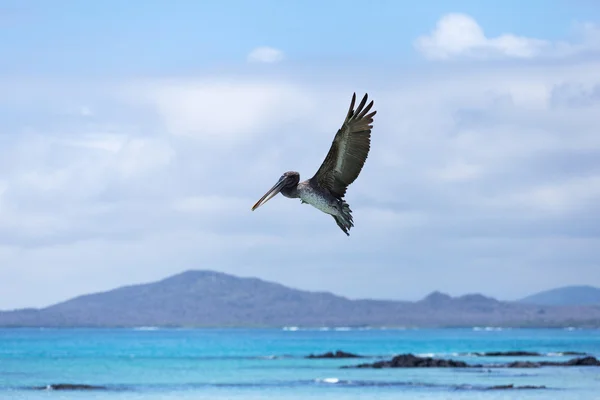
[135,136]
[160,37]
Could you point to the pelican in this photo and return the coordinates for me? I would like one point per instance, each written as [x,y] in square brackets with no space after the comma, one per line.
[347,155]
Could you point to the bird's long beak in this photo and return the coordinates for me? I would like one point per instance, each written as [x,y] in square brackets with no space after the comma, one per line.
[270,194]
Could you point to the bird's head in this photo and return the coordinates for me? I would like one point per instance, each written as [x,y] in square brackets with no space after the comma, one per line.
[289,180]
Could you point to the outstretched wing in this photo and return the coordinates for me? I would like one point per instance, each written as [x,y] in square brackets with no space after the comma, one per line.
[348,151]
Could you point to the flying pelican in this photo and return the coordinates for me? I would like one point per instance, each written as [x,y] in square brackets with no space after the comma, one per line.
[347,155]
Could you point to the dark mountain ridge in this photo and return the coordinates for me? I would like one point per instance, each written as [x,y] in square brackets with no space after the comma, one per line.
[215,299]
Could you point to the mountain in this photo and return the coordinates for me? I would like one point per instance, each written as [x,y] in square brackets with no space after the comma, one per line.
[208,298]
[566,296]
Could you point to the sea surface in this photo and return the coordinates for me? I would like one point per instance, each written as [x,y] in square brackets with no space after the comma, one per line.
[149,363]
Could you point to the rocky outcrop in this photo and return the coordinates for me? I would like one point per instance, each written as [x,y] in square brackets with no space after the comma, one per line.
[511,386]
[69,386]
[588,361]
[337,354]
[509,354]
[520,353]
[412,361]
[521,364]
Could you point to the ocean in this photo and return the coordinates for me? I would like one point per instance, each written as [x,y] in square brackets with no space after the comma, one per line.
[150,363]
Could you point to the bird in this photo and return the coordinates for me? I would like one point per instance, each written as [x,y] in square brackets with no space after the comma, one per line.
[343,163]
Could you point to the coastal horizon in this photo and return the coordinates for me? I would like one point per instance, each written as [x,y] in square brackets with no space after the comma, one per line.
[295,200]
[205,298]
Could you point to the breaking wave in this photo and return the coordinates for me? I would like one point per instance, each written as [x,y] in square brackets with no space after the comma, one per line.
[341,328]
[489,329]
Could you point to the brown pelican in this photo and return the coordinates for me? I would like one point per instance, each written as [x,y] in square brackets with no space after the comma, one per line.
[325,191]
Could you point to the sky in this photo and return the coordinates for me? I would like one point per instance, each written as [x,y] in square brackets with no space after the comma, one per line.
[135,137]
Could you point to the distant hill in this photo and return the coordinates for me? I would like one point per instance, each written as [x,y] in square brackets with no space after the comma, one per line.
[566,296]
[209,299]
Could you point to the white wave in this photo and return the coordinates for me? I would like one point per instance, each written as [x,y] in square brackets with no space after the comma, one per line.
[559,354]
[146,328]
[445,355]
[270,357]
[488,328]
[328,380]
[290,328]
[342,328]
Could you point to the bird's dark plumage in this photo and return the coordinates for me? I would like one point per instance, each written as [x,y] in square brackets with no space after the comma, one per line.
[342,165]
[348,151]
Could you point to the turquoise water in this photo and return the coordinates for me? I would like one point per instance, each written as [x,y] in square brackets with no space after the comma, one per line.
[262,364]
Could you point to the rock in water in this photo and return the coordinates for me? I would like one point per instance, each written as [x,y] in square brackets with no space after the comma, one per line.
[517,353]
[578,362]
[522,364]
[511,386]
[69,386]
[337,354]
[412,361]
[575,362]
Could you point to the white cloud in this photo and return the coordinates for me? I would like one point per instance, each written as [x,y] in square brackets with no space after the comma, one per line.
[141,156]
[557,198]
[458,171]
[460,36]
[470,165]
[265,54]
[222,110]
[212,205]
[101,141]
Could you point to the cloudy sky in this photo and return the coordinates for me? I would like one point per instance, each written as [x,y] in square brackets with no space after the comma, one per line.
[135,137]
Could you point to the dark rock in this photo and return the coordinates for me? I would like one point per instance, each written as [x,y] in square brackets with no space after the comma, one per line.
[522,364]
[337,354]
[584,361]
[575,362]
[69,386]
[509,354]
[511,386]
[412,361]
[573,353]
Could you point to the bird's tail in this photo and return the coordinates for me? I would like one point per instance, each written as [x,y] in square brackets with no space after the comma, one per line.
[344,220]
